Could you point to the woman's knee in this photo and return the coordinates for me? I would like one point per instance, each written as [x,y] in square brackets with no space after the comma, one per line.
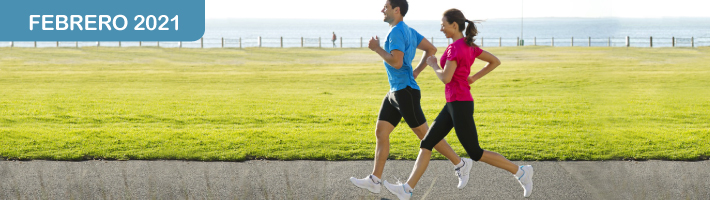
[475,153]
[426,144]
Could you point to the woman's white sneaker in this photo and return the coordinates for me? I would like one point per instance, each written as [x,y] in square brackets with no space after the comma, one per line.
[398,190]
[464,172]
[524,176]
[367,183]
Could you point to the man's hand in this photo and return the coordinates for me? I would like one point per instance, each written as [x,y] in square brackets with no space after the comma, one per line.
[374,43]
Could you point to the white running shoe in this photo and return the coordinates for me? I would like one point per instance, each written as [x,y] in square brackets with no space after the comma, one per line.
[367,183]
[398,190]
[464,171]
[526,179]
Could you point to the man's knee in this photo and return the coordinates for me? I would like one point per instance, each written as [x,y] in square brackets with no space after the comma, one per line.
[421,130]
[382,135]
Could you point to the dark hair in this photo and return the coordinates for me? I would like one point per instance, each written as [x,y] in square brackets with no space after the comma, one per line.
[456,16]
[402,4]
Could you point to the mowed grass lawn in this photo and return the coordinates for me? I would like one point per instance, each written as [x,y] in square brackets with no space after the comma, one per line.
[542,103]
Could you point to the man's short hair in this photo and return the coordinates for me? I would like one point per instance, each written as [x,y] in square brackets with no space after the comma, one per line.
[402,4]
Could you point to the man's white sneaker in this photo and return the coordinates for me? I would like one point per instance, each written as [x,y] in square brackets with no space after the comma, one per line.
[367,183]
[398,190]
[463,172]
[525,179]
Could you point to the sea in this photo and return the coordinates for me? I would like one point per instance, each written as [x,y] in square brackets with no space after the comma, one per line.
[235,33]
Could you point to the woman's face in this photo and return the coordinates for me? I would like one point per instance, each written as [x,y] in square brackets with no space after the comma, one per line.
[449,29]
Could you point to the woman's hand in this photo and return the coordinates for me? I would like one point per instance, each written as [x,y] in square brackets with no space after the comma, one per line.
[470,80]
[431,61]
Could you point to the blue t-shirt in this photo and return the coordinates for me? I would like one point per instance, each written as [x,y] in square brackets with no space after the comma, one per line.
[405,39]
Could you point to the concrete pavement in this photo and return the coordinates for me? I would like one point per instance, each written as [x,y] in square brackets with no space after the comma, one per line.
[329,180]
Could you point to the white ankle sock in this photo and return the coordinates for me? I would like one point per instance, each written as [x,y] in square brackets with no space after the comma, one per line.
[519,173]
[407,188]
[374,178]
[460,163]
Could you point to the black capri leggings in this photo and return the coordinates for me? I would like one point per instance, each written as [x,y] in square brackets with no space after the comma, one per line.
[457,115]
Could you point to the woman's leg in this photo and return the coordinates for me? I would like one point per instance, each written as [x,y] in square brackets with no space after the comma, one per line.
[419,167]
[466,131]
[409,104]
[439,129]
[495,159]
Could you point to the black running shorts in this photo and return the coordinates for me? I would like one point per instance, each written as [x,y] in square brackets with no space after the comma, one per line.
[405,104]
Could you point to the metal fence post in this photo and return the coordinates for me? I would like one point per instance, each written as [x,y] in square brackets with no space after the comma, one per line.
[692,42]
[140,43]
[240,42]
[481,41]
[651,41]
[119,44]
[360,42]
[222,42]
[98,44]
[202,42]
[609,42]
[572,42]
[518,41]
[301,42]
[341,42]
[589,43]
[500,41]
[628,41]
[35,44]
[259,41]
[535,41]
[319,46]
[282,42]
[76,44]
[432,41]
[12,44]
[180,45]
[673,41]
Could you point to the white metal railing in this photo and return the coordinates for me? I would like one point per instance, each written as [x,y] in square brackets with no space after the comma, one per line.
[362,42]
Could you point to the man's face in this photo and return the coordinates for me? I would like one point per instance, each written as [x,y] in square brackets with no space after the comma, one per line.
[388,12]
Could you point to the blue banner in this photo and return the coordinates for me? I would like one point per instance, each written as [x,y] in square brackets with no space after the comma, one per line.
[100,20]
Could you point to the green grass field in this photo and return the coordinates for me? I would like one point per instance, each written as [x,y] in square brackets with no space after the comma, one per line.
[542,103]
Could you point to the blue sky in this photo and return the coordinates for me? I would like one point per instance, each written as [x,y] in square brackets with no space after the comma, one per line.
[432,9]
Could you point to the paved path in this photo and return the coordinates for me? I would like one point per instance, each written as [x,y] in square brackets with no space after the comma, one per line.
[329,180]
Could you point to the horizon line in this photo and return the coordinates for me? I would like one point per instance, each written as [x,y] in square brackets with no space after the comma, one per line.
[666,17]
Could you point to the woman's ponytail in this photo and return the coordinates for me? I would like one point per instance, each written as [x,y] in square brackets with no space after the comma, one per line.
[456,16]
[471,32]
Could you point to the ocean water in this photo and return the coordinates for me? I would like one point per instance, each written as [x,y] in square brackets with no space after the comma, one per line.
[538,30]
[492,32]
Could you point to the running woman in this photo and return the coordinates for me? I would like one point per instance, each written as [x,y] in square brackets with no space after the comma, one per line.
[458,111]
[403,99]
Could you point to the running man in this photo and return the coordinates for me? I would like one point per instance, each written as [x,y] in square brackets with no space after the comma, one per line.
[458,111]
[403,99]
